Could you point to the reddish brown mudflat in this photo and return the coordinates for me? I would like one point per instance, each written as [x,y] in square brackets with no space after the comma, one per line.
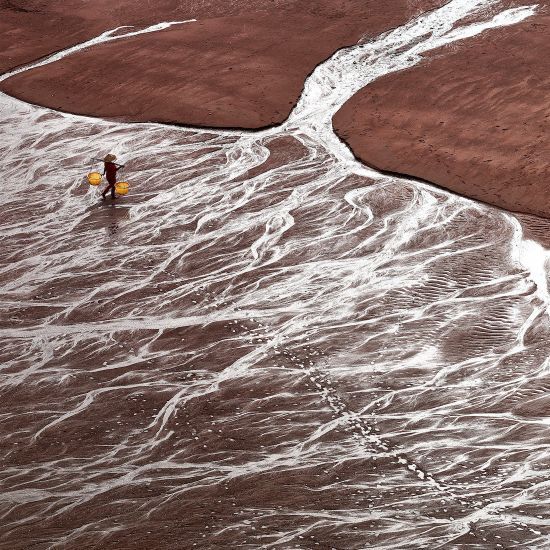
[473,117]
[240,65]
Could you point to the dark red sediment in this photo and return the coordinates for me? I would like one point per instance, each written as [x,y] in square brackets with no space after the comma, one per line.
[168,383]
[240,65]
[474,117]
[32,29]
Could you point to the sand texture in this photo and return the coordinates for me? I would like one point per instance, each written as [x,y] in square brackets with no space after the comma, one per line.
[474,118]
[240,65]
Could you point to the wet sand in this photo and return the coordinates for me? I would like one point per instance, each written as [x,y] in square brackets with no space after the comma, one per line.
[473,118]
[258,348]
[32,29]
[264,344]
[245,70]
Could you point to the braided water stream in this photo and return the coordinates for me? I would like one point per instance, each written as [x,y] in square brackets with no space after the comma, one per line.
[266,344]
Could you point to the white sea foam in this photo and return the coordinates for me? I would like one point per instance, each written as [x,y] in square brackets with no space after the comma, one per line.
[372,347]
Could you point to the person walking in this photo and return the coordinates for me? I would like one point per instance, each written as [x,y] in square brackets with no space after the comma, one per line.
[110,171]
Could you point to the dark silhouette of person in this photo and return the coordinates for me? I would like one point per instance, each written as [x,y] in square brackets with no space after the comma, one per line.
[110,171]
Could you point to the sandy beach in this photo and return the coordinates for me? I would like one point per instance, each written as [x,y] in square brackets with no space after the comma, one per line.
[239,65]
[268,343]
[473,118]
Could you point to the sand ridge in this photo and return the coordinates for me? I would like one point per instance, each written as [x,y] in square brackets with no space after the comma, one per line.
[473,118]
[238,66]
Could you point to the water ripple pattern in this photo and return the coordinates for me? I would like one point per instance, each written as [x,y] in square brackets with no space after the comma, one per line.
[266,344]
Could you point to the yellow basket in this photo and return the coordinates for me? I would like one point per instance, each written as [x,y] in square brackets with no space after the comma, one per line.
[121,187]
[94,178]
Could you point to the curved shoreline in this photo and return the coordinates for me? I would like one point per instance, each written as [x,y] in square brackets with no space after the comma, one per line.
[537,230]
[473,119]
[222,71]
[359,154]
[264,313]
